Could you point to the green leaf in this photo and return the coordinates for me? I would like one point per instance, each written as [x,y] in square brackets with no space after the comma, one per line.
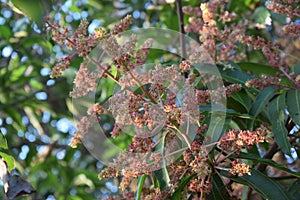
[268,188]
[34,9]
[177,194]
[260,103]
[140,187]
[259,69]
[269,162]
[240,6]
[261,100]
[10,161]
[293,105]
[242,98]
[216,129]
[219,191]
[276,116]
[3,142]
[162,174]
[261,15]
[5,32]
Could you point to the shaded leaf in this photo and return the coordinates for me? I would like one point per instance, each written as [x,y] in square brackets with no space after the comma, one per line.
[34,9]
[177,194]
[242,98]
[293,105]
[276,116]
[268,188]
[259,69]
[219,191]
[5,32]
[140,187]
[17,186]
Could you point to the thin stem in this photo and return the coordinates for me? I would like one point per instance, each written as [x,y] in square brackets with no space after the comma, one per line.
[181,28]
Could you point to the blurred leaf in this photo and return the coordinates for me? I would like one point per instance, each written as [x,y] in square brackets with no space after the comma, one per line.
[293,105]
[15,115]
[36,84]
[3,142]
[10,161]
[37,39]
[268,188]
[276,116]
[240,6]
[34,9]
[5,32]
[261,15]
[17,73]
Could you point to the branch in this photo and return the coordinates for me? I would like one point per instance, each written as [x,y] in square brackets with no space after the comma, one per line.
[181,28]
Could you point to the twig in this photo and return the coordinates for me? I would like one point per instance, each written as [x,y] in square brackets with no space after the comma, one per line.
[181,28]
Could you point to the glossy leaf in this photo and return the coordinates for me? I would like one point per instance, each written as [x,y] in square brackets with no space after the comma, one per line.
[276,116]
[265,186]
[293,105]
[260,103]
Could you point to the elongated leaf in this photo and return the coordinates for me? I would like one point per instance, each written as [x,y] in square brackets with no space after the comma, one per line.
[293,105]
[259,69]
[34,9]
[215,130]
[269,162]
[162,174]
[276,116]
[260,103]
[242,98]
[218,191]
[140,187]
[3,142]
[177,194]
[268,188]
